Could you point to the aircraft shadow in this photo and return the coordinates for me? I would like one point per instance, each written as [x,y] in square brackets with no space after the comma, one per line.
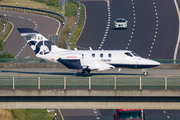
[78,74]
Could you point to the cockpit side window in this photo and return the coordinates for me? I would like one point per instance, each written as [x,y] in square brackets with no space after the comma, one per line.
[135,54]
[128,54]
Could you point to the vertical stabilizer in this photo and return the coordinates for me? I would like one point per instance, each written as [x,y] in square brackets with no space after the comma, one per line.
[38,42]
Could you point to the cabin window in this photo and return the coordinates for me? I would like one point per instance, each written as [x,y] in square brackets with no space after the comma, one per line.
[93,55]
[101,55]
[128,54]
[109,55]
[82,55]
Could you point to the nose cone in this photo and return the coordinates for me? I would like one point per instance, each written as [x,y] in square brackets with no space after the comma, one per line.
[156,63]
[153,63]
[147,63]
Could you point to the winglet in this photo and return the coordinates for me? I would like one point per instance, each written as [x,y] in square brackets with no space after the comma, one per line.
[90,48]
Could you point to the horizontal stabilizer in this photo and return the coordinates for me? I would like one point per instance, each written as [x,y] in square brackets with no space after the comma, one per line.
[26,30]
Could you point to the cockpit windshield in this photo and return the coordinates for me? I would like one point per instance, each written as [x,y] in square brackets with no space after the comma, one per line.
[135,54]
[128,54]
[131,54]
[120,20]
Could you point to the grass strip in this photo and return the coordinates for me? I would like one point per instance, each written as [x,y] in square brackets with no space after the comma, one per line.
[2,22]
[78,29]
[4,35]
[32,114]
[8,29]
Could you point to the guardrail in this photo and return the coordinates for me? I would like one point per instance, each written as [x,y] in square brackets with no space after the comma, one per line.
[88,83]
[5,19]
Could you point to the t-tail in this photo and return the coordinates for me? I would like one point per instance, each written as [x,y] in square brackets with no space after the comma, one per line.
[42,47]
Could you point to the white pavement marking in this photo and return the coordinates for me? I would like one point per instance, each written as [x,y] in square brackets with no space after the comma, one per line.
[20,17]
[10,31]
[108,3]
[21,51]
[61,114]
[108,24]
[134,22]
[178,40]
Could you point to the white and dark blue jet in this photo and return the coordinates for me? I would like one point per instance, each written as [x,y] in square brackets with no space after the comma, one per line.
[85,60]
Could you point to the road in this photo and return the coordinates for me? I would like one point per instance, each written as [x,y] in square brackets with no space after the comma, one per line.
[101,114]
[15,43]
[152,27]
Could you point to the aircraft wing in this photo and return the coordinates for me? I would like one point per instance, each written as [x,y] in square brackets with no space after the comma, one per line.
[100,66]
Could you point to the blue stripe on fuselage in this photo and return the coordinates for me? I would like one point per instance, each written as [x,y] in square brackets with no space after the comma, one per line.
[71,64]
[133,66]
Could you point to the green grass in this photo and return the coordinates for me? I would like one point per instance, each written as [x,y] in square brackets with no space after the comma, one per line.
[32,114]
[8,29]
[78,29]
[3,36]
[2,25]
[71,9]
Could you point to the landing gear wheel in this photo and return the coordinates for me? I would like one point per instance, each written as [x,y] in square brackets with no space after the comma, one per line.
[145,73]
[85,72]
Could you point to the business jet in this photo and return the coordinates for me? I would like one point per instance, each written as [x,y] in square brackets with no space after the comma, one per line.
[85,60]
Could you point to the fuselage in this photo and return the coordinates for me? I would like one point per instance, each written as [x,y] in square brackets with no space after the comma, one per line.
[84,60]
[76,59]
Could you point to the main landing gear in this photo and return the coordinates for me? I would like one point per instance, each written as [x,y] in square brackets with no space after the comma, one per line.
[85,72]
[145,73]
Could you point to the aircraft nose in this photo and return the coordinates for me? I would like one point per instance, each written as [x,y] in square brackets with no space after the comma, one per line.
[155,63]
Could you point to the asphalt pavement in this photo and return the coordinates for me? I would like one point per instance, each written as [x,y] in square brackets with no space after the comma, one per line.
[152,27]
[108,114]
[54,72]
[15,43]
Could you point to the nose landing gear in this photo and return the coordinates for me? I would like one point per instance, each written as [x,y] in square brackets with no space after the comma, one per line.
[145,73]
